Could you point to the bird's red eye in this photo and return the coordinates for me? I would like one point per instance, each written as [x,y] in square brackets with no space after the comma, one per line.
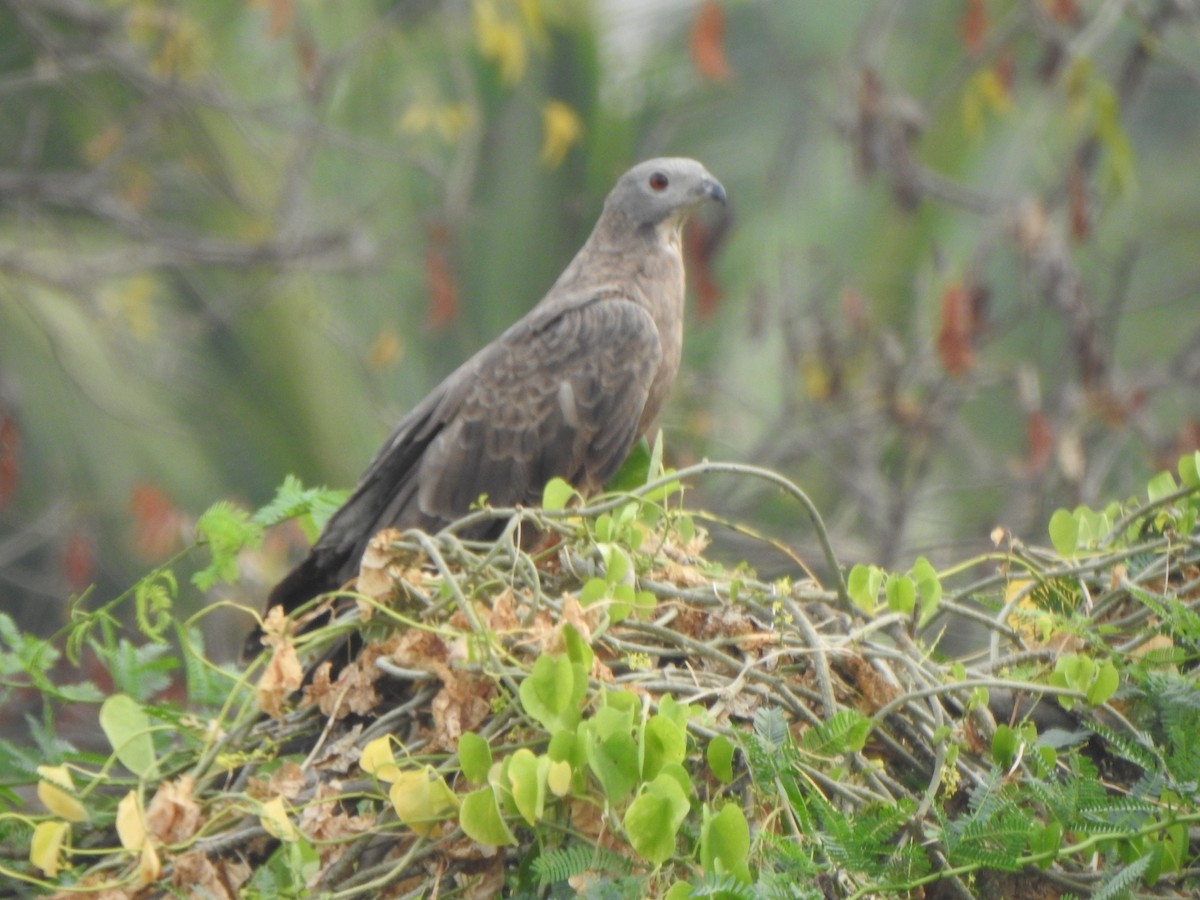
[658,181]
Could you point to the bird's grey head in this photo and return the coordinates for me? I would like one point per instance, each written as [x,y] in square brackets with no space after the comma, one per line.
[663,191]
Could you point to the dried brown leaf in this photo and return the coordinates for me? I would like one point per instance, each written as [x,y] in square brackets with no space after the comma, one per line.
[352,692]
[288,780]
[956,329]
[707,42]
[198,876]
[974,25]
[172,815]
[282,676]
[463,704]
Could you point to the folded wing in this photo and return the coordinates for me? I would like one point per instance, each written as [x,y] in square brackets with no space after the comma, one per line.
[561,393]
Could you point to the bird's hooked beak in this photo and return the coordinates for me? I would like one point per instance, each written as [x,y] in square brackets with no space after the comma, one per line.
[713,190]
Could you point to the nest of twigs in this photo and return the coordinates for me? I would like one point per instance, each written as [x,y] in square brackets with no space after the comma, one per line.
[863,764]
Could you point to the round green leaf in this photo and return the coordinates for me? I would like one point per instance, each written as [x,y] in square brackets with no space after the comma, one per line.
[127,728]
[901,594]
[720,758]
[526,774]
[480,818]
[475,757]
[725,841]
[557,494]
[863,585]
[1064,533]
[653,819]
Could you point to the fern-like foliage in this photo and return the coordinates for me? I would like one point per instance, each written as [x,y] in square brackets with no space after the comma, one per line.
[1121,745]
[1122,880]
[312,506]
[845,732]
[563,863]
[994,831]
[226,530]
[723,887]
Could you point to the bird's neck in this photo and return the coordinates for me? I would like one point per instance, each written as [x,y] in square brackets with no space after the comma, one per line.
[616,242]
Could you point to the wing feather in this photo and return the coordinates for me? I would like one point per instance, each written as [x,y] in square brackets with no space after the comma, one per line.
[561,393]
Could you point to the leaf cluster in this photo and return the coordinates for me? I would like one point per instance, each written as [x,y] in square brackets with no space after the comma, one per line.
[618,716]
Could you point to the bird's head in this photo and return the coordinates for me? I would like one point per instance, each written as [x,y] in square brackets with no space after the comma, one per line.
[659,194]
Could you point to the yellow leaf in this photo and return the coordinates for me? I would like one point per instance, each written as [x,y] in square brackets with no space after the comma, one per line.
[818,384]
[45,850]
[131,827]
[454,119]
[558,778]
[149,865]
[561,129]
[386,350]
[131,303]
[984,92]
[417,118]
[448,121]
[178,45]
[377,760]
[56,790]
[420,798]
[274,818]
[500,41]
[534,14]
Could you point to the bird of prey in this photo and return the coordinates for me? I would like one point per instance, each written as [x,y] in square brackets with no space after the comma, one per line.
[565,391]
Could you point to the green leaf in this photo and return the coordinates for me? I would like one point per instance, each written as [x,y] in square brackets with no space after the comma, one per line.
[611,751]
[863,586]
[665,742]
[613,760]
[725,842]
[901,594]
[475,757]
[617,565]
[526,773]
[557,494]
[635,470]
[480,818]
[127,728]
[1104,683]
[929,589]
[1160,486]
[593,591]
[1189,469]
[1005,743]
[1046,839]
[720,758]
[677,712]
[577,648]
[553,692]
[627,703]
[1064,533]
[567,747]
[653,819]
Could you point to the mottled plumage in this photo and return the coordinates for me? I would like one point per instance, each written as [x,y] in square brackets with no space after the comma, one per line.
[565,391]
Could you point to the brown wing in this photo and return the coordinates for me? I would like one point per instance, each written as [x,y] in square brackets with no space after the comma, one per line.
[561,393]
[562,399]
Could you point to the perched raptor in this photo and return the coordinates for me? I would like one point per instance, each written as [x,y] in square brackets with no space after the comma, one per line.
[566,391]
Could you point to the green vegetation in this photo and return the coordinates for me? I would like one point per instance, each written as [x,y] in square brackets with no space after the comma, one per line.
[613,715]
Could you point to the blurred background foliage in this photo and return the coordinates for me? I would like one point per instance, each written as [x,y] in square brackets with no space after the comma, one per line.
[957,284]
